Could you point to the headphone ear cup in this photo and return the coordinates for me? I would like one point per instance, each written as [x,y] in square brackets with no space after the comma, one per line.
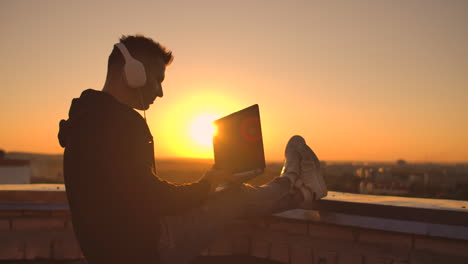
[134,70]
[135,73]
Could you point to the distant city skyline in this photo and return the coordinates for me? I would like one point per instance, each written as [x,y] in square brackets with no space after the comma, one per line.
[360,80]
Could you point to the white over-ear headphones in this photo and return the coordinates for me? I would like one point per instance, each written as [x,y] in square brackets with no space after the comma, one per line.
[134,70]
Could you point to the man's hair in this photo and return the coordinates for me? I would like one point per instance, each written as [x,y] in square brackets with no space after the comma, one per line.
[141,48]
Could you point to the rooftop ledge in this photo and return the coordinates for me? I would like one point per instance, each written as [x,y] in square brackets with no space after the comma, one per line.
[428,217]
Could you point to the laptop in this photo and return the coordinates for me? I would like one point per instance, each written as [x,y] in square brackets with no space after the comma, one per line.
[238,143]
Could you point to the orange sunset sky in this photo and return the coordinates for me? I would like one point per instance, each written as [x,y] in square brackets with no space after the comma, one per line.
[360,80]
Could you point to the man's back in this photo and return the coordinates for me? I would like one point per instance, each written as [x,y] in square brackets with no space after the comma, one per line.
[115,198]
[113,217]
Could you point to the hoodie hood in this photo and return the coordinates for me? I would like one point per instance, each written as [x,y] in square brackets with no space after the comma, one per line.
[87,105]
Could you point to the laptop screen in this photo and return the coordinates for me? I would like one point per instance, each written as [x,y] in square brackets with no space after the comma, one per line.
[238,142]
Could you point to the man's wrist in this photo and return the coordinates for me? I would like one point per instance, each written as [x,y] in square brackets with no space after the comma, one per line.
[208,183]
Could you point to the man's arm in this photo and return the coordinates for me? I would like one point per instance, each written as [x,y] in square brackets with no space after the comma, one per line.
[129,168]
[171,199]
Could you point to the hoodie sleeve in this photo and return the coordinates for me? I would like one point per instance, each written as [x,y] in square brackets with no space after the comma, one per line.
[172,199]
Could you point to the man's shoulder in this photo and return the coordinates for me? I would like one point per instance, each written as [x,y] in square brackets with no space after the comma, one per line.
[101,107]
[97,116]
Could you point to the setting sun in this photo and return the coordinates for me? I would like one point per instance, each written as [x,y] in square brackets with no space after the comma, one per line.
[188,128]
[202,129]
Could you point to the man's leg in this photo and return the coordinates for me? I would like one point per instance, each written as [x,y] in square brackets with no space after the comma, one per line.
[183,237]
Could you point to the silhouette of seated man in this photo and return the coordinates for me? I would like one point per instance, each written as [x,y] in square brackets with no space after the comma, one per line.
[121,211]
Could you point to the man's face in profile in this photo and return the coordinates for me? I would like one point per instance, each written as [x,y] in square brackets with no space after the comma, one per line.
[153,87]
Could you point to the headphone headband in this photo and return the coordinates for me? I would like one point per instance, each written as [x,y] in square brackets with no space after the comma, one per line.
[124,51]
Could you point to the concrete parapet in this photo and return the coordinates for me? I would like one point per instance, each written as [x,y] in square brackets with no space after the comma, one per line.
[390,230]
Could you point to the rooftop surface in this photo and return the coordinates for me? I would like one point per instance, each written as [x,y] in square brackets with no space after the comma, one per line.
[433,204]
[436,204]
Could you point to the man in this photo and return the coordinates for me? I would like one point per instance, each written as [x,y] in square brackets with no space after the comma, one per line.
[121,211]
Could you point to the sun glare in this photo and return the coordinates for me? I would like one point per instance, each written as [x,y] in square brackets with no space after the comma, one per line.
[188,130]
[202,129]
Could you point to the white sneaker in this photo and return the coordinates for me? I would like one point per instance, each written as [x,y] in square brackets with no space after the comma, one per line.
[313,185]
[292,163]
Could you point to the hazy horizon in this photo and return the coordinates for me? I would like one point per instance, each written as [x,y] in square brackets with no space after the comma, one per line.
[267,160]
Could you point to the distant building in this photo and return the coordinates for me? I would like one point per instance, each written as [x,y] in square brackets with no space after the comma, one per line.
[15,171]
[388,188]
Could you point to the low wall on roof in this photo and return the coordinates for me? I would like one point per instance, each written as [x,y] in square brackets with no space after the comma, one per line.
[344,228]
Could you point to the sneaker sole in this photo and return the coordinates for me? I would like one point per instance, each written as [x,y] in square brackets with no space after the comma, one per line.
[293,165]
[311,166]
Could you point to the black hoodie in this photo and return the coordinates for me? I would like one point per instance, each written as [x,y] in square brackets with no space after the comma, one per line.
[115,198]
